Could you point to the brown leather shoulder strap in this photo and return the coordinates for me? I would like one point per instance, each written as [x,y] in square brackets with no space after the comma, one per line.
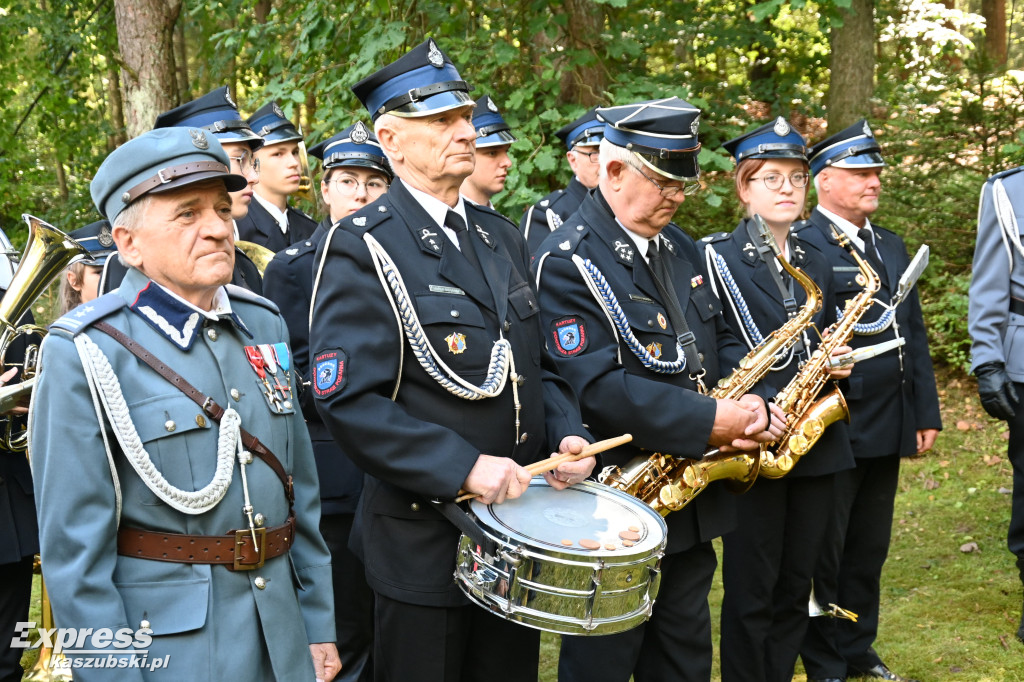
[209,405]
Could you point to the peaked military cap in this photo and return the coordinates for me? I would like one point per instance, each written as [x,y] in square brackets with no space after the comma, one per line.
[354,146]
[585,131]
[270,123]
[776,140]
[97,239]
[421,82]
[661,132]
[215,111]
[854,147]
[491,129]
[158,161]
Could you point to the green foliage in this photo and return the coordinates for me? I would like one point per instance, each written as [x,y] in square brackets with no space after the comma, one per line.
[944,304]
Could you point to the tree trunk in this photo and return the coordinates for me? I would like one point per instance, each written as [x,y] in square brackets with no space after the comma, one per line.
[584,83]
[144,37]
[62,178]
[116,108]
[181,60]
[994,12]
[262,10]
[852,82]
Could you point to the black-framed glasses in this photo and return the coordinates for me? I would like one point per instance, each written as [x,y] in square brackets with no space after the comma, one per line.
[348,186]
[669,191]
[247,160]
[774,181]
[592,157]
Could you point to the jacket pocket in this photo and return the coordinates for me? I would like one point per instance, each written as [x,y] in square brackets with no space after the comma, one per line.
[169,425]
[171,607]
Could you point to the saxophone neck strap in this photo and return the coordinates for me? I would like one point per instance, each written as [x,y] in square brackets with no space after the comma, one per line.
[208,404]
[767,256]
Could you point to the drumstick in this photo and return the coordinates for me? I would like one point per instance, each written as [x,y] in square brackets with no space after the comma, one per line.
[552,463]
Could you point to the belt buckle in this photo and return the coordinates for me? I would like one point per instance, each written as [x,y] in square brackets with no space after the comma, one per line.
[242,537]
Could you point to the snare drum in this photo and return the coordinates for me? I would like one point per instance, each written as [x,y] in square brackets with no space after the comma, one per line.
[580,561]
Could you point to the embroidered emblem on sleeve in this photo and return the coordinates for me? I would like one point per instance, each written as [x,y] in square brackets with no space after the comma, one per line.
[570,336]
[329,372]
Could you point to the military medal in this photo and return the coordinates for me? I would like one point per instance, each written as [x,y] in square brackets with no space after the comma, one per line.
[662,322]
[255,357]
[655,350]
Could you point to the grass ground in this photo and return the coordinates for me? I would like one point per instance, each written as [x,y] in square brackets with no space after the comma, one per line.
[951,596]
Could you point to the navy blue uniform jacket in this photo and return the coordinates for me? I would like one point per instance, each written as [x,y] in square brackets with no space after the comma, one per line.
[663,412]
[888,405]
[423,443]
[764,302]
[259,227]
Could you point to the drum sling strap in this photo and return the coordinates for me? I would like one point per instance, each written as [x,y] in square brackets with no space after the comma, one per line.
[236,549]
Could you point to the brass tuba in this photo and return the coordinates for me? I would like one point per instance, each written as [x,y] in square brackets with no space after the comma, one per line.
[810,417]
[668,483]
[47,252]
[257,253]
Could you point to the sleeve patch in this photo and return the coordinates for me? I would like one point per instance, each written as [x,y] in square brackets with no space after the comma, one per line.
[330,373]
[570,335]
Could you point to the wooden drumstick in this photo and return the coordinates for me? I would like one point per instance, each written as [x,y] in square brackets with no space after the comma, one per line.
[552,463]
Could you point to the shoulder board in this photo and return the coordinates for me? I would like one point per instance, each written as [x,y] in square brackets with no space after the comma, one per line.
[78,319]
[716,237]
[565,239]
[491,211]
[546,201]
[800,226]
[1006,173]
[237,293]
[887,233]
[367,218]
[295,251]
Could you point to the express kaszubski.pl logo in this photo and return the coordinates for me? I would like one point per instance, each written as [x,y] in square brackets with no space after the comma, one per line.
[91,648]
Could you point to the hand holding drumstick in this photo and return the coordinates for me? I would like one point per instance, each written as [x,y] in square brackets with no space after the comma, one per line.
[573,463]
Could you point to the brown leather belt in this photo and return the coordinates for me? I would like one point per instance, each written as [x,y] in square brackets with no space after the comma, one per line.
[234,550]
[1016,306]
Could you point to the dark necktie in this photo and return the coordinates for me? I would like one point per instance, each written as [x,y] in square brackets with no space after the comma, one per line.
[868,237]
[454,222]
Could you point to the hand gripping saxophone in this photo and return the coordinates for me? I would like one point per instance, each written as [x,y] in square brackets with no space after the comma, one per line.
[810,415]
[668,483]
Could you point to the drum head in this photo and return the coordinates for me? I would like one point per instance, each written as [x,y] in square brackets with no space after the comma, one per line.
[587,519]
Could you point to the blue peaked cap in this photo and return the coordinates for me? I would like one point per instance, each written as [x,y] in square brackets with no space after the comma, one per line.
[421,82]
[354,146]
[269,122]
[776,140]
[854,147]
[585,131]
[491,129]
[662,133]
[216,112]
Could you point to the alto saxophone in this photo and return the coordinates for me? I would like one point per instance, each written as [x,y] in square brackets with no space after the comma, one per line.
[668,483]
[810,417]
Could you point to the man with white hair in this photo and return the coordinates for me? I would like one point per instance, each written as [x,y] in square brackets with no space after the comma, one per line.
[427,370]
[642,359]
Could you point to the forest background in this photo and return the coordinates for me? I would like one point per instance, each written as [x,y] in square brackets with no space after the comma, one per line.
[940,83]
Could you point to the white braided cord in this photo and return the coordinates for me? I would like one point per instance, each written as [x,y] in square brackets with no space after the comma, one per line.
[1007,220]
[98,368]
[872,328]
[606,297]
[501,360]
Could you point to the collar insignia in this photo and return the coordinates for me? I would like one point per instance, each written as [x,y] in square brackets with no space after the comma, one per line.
[167,315]
[748,249]
[360,221]
[430,237]
[484,235]
[199,139]
[667,243]
[434,55]
[565,246]
[382,209]
[624,251]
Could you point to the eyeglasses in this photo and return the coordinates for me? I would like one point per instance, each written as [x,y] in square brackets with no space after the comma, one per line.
[774,181]
[669,191]
[247,160]
[592,157]
[350,186]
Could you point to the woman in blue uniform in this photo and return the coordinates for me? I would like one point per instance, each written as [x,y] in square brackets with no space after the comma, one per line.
[769,559]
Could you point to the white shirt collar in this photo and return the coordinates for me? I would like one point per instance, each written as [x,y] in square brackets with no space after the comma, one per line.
[277,214]
[848,228]
[221,303]
[438,210]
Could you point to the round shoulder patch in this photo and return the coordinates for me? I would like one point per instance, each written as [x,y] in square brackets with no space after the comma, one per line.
[569,335]
[329,372]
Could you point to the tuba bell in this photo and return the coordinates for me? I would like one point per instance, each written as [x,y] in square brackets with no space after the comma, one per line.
[257,253]
[47,252]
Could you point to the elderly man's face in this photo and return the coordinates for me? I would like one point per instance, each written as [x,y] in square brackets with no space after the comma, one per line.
[584,164]
[185,241]
[850,193]
[638,202]
[438,149]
